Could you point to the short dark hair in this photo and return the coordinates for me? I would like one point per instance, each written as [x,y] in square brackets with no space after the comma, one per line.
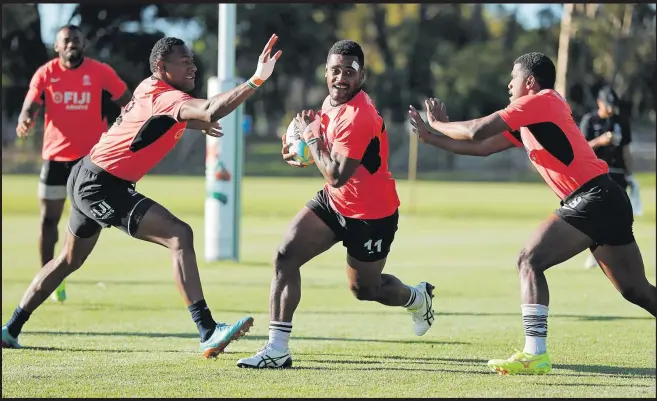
[70,27]
[608,96]
[163,48]
[348,48]
[540,66]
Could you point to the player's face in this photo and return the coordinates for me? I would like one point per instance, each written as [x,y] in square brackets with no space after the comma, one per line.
[518,87]
[70,45]
[606,109]
[179,69]
[344,76]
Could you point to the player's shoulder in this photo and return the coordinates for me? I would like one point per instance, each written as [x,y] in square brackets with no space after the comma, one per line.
[48,67]
[360,107]
[97,65]
[157,91]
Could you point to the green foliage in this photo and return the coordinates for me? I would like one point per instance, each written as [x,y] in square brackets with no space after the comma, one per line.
[461,53]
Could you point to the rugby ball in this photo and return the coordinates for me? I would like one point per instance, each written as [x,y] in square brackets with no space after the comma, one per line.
[297,146]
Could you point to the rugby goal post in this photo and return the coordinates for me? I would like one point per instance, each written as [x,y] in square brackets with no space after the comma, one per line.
[224,156]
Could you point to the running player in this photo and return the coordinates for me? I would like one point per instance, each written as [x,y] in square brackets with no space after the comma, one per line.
[357,206]
[72,86]
[595,213]
[102,187]
[609,135]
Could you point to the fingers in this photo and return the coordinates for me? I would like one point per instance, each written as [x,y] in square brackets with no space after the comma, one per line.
[278,54]
[269,45]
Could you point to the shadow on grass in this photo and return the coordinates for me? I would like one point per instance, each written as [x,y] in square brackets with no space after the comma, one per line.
[255,338]
[619,372]
[118,351]
[609,370]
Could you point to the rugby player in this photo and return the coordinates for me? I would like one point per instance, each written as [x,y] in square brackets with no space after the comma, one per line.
[595,213]
[357,206]
[71,88]
[102,187]
[610,136]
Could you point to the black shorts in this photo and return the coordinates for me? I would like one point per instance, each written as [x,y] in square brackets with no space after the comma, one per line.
[53,178]
[365,240]
[601,210]
[619,179]
[100,199]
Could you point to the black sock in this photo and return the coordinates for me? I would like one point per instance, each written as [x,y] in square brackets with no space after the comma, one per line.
[15,324]
[202,316]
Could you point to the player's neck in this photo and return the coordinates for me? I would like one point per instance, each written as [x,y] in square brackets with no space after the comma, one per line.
[71,65]
[334,104]
[603,114]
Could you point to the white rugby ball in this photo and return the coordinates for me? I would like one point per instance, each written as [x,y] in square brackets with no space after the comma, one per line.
[297,146]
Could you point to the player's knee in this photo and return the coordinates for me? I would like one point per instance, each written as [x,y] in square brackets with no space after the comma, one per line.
[283,262]
[183,236]
[49,223]
[634,294]
[69,263]
[363,292]
[527,262]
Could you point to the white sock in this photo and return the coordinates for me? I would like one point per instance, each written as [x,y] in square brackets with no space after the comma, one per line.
[534,319]
[279,335]
[415,300]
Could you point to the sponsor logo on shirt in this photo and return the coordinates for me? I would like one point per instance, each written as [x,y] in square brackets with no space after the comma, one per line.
[73,100]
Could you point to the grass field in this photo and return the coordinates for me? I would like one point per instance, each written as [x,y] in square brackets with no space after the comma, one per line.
[125,332]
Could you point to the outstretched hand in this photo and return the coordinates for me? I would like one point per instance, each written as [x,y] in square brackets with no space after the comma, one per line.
[418,126]
[436,110]
[266,63]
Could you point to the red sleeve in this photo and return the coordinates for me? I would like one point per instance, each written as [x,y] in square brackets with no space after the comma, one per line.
[353,134]
[111,81]
[169,103]
[525,111]
[514,137]
[37,86]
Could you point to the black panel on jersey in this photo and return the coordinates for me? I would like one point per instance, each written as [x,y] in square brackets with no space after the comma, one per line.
[553,140]
[372,157]
[151,131]
[516,134]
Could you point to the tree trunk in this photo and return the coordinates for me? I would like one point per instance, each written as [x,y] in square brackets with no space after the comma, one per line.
[564,44]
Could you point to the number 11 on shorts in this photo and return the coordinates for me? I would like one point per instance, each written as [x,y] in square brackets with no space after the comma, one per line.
[377,244]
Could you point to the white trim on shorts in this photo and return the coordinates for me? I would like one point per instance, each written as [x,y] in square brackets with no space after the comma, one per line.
[51,192]
[71,232]
[130,214]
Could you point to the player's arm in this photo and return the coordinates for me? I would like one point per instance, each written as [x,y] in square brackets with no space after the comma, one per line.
[216,107]
[477,129]
[472,130]
[585,127]
[32,103]
[112,83]
[336,167]
[124,98]
[223,104]
[485,147]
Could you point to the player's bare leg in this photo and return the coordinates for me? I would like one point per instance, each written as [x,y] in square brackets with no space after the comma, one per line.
[161,227]
[75,252]
[368,283]
[554,242]
[51,213]
[624,267]
[306,237]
